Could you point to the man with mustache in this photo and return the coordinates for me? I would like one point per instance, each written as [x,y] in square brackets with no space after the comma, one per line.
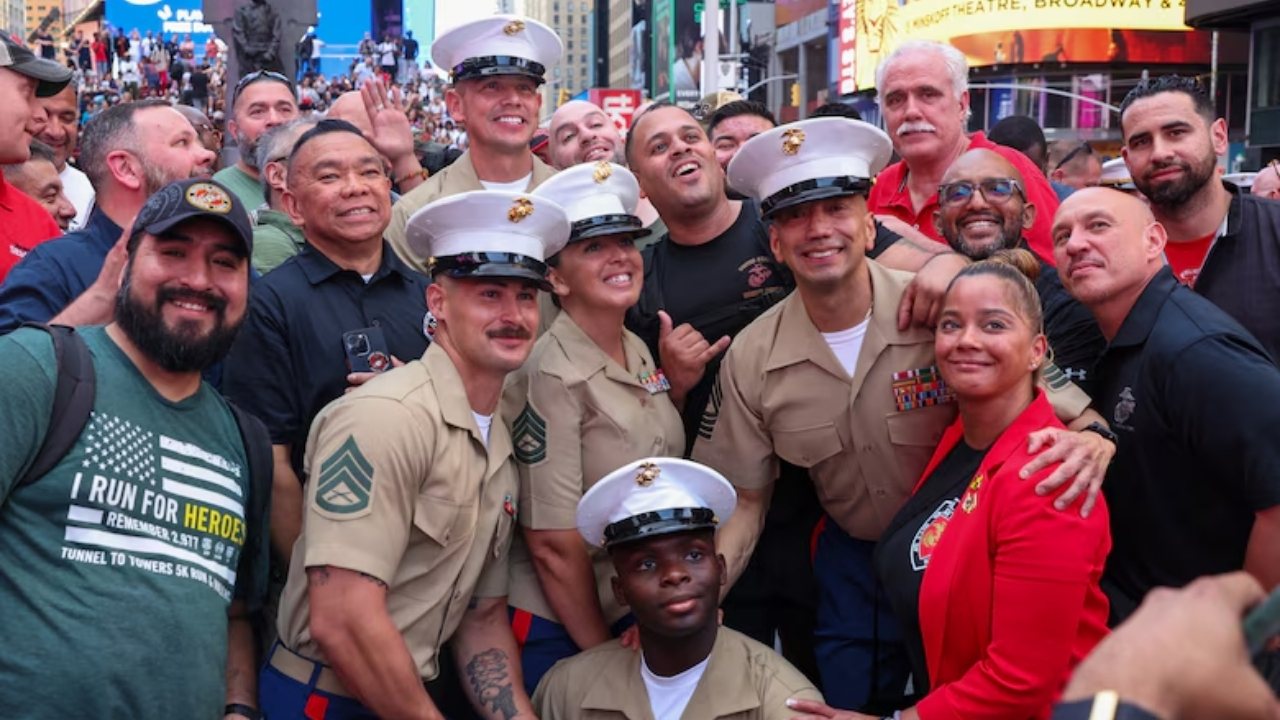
[260,101]
[149,527]
[1194,398]
[344,279]
[496,64]
[38,179]
[924,93]
[1223,243]
[412,494]
[129,151]
[982,210]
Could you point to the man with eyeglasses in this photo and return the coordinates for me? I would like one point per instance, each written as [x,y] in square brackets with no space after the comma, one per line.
[1267,182]
[827,381]
[1073,166]
[261,100]
[983,209]
[924,94]
[1223,243]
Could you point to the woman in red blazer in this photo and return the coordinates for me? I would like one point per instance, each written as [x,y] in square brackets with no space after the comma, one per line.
[997,591]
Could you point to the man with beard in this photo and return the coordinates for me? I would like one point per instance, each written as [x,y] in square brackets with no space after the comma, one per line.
[1195,399]
[344,279]
[982,209]
[657,519]
[129,151]
[497,64]
[412,496]
[155,495]
[924,94]
[261,100]
[1223,243]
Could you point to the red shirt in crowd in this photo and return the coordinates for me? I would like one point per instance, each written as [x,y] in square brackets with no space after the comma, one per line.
[1186,258]
[24,224]
[890,196]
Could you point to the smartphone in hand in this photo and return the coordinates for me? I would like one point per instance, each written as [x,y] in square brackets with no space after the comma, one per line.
[366,350]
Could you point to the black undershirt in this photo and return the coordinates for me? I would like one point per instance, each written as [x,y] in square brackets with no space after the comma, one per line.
[904,550]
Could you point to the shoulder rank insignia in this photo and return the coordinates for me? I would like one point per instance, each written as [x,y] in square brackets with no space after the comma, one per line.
[707,424]
[345,483]
[529,436]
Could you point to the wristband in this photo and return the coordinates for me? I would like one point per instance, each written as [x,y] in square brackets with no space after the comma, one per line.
[252,713]
[1106,705]
[420,173]
[1103,430]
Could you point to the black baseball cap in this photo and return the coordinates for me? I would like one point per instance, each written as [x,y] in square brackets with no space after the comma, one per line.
[51,76]
[183,200]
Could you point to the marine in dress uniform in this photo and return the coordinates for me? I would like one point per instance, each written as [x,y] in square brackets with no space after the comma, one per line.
[501,45]
[412,490]
[576,412]
[656,518]
[864,425]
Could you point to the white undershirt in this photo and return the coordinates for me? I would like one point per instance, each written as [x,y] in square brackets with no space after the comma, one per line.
[518,186]
[846,344]
[484,422]
[668,696]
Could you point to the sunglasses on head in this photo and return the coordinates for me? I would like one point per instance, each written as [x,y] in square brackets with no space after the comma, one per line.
[994,190]
[256,75]
[1083,148]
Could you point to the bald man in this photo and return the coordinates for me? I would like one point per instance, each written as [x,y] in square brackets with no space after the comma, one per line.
[1267,183]
[983,208]
[1195,400]
[581,132]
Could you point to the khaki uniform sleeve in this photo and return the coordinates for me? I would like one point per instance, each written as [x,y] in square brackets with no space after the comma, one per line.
[365,461]
[731,437]
[784,682]
[550,700]
[1068,400]
[551,478]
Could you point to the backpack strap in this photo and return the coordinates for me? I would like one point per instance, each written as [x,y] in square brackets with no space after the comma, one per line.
[73,398]
[257,548]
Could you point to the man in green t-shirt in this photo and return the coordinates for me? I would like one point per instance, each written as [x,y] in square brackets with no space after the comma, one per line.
[126,567]
[261,100]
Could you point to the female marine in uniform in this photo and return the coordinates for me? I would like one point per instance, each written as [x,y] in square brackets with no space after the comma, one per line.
[589,398]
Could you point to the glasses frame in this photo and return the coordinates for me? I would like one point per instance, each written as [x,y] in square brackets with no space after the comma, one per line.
[981,187]
[1083,147]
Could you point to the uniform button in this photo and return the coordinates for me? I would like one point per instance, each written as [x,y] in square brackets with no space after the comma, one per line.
[881,492]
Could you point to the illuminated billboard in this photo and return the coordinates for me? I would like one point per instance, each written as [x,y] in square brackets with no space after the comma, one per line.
[1014,32]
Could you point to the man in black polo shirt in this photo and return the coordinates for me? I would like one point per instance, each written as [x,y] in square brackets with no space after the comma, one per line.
[977,221]
[290,360]
[1223,243]
[1194,398]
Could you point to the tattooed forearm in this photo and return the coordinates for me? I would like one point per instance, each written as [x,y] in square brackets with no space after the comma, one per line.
[491,680]
[318,575]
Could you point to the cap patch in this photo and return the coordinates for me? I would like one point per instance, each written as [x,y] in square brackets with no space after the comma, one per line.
[648,472]
[345,484]
[791,141]
[529,436]
[520,209]
[209,197]
[603,171]
[514,27]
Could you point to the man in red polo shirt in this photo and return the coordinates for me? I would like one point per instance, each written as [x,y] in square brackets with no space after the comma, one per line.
[924,94]
[24,223]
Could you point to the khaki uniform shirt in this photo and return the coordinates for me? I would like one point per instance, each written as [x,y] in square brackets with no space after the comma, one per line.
[577,416]
[458,178]
[743,681]
[781,393]
[401,487]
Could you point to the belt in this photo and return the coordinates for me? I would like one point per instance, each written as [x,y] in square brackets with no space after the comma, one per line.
[297,668]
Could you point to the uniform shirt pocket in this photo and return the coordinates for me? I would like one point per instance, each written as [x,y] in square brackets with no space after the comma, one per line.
[809,446]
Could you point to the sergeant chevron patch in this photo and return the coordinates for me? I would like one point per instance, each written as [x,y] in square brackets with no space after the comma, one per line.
[529,436]
[345,484]
[707,424]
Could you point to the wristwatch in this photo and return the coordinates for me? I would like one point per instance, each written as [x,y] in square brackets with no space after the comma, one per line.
[1103,430]
[1106,705]
[252,713]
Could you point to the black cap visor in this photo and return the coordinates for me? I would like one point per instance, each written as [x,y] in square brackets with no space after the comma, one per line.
[603,225]
[50,76]
[160,227]
[658,522]
[477,265]
[810,190]
[490,65]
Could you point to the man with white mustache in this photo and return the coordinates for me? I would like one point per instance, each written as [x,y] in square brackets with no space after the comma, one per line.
[924,94]
[497,64]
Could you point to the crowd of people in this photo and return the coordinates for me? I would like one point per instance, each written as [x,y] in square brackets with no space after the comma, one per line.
[720,418]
